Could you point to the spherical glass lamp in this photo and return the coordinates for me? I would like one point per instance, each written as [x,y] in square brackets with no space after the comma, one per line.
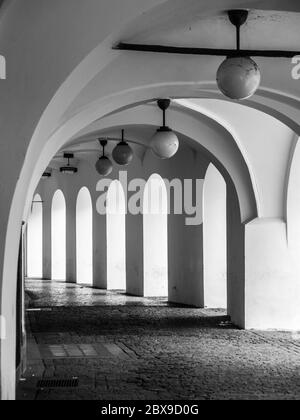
[165,143]
[104,166]
[123,153]
[238,78]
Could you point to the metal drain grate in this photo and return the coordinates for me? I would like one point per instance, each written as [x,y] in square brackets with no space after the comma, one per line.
[58,383]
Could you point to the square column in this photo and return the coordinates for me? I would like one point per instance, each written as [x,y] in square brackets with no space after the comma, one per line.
[272,285]
[135,254]
[235,260]
[71,272]
[185,262]
[99,250]
[47,240]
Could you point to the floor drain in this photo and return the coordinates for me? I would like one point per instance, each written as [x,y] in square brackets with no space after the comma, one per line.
[58,383]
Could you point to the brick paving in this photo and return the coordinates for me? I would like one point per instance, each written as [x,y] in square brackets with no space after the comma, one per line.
[130,348]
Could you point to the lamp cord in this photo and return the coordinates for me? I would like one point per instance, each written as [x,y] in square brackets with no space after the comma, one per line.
[238,38]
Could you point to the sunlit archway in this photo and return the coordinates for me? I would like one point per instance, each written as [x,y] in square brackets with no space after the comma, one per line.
[35,239]
[155,210]
[215,239]
[58,237]
[116,237]
[84,237]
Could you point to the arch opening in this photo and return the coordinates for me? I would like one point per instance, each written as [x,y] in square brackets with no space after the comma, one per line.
[84,238]
[58,237]
[215,239]
[155,226]
[34,246]
[116,237]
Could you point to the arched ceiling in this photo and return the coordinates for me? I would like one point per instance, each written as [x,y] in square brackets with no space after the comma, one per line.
[108,81]
[271,25]
[263,30]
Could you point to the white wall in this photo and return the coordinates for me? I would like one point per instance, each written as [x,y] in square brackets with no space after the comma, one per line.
[84,238]
[116,237]
[215,239]
[34,250]
[58,237]
[155,215]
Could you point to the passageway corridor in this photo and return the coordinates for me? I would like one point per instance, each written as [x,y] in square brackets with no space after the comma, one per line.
[126,348]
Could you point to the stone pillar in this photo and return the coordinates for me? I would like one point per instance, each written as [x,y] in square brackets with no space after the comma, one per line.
[134,254]
[47,239]
[185,242]
[235,259]
[185,262]
[272,286]
[185,232]
[100,250]
[71,274]
[215,240]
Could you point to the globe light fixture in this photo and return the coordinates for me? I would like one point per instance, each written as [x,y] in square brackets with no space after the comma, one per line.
[165,143]
[123,153]
[238,77]
[104,165]
[68,170]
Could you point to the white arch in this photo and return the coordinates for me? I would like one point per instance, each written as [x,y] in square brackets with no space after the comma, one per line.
[214,239]
[35,239]
[84,237]
[116,237]
[58,236]
[155,213]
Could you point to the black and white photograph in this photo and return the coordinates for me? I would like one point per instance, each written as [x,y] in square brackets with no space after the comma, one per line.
[150,203]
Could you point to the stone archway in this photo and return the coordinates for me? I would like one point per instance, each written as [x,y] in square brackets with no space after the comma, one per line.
[44,144]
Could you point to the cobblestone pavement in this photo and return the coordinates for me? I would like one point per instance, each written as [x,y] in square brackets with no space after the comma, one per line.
[131,348]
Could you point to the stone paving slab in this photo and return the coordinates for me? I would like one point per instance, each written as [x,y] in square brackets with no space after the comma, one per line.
[154,352]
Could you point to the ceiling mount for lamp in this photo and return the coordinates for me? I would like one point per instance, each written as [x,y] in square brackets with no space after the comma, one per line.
[104,165]
[165,143]
[238,18]
[68,169]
